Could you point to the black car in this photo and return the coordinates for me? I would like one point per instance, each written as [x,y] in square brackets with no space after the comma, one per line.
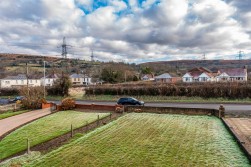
[16,99]
[129,101]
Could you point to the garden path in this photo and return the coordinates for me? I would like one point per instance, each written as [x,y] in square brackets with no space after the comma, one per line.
[11,123]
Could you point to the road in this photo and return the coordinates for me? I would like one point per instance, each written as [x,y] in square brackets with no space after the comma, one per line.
[231,109]
[13,122]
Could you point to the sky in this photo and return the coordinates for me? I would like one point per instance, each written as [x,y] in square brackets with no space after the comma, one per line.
[132,31]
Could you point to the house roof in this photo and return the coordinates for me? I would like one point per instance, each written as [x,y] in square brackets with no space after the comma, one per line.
[195,74]
[21,77]
[164,76]
[201,69]
[78,76]
[148,76]
[234,72]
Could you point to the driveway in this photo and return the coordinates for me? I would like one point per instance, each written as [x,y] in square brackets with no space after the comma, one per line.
[9,124]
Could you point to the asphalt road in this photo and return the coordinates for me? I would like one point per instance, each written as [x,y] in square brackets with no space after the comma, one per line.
[235,109]
[232,109]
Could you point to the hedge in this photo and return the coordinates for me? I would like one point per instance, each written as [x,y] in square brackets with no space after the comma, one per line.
[205,90]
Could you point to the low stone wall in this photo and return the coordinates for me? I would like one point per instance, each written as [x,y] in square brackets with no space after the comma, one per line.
[173,110]
[9,107]
[97,107]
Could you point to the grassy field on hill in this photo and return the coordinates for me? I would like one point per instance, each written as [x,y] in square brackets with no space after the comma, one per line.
[44,129]
[151,140]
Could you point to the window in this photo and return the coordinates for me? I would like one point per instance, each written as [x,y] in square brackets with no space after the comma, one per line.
[30,81]
[78,79]
[7,82]
[22,81]
[74,79]
[16,81]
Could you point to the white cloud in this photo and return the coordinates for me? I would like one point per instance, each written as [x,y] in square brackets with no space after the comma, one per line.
[153,30]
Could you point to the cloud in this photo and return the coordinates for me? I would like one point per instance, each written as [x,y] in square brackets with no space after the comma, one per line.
[133,31]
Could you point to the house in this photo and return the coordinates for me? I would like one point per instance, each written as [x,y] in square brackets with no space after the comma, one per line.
[49,80]
[232,74]
[80,79]
[167,78]
[147,77]
[200,74]
[19,81]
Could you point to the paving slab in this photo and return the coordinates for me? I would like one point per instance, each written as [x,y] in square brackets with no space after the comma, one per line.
[11,123]
[241,129]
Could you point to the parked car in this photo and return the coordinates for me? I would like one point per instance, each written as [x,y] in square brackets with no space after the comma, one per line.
[16,99]
[129,101]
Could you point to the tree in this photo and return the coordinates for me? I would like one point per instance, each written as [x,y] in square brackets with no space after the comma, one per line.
[61,86]
[146,70]
[33,97]
[112,76]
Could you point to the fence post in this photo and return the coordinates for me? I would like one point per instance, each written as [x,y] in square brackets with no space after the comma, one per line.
[15,107]
[86,126]
[71,130]
[98,121]
[110,115]
[28,146]
[92,106]
[221,111]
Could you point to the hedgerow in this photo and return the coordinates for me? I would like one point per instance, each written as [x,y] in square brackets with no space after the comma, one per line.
[205,90]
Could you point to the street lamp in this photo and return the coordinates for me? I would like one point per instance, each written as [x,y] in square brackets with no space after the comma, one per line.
[44,79]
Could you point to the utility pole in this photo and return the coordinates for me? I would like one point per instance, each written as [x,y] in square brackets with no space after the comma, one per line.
[240,55]
[64,49]
[64,53]
[204,56]
[92,56]
[44,79]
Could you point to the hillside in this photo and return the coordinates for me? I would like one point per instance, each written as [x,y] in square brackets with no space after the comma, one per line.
[181,66]
[13,64]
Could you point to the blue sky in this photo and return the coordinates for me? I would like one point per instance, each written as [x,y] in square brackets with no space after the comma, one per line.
[128,30]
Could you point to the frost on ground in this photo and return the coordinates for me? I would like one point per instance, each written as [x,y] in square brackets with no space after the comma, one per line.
[152,140]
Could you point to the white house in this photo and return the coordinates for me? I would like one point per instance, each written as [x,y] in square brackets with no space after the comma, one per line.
[232,74]
[80,79]
[187,77]
[206,77]
[19,81]
[49,80]
[147,77]
[200,74]
[167,78]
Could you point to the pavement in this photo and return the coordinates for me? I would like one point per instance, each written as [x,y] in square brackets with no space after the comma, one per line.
[241,129]
[11,123]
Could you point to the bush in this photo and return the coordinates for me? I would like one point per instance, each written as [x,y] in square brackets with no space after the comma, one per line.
[8,92]
[33,97]
[68,104]
[205,90]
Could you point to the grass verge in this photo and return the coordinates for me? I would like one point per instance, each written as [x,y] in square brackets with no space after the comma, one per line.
[44,129]
[11,113]
[151,140]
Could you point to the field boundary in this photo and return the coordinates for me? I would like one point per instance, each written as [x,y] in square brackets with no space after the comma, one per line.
[174,110]
[62,139]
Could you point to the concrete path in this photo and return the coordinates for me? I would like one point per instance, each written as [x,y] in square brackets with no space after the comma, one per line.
[241,128]
[13,122]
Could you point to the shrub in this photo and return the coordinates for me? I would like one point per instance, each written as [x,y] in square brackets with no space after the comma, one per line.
[68,103]
[33,97]
[8,92]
